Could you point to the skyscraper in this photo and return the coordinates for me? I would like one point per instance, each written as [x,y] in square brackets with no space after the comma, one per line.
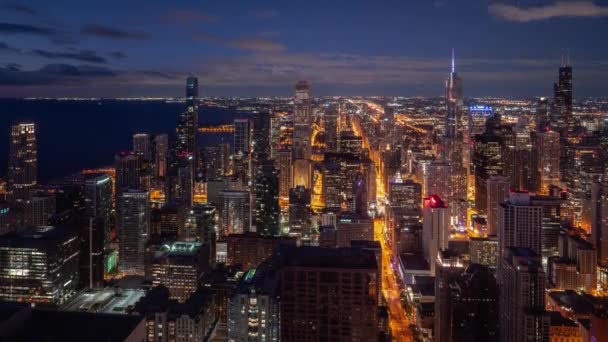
[234,212]
[563,98]
[161,149]
[187,122]
[98,201]
[261,136]
[519,224]
[548,156]
[266,216]
[95,230]
[599,220]
[141,146]
[303,116]
[497,192]
[487,162]
[22,168]
[128,167]
[453,116]
[285,175]
[133,228]
[435,228]
[299,210]
[39,264]
[522,297]
[331,127]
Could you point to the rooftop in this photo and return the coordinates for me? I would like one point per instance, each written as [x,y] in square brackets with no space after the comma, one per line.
[107,300]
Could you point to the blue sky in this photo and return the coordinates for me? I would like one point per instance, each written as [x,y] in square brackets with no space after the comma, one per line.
[382,47]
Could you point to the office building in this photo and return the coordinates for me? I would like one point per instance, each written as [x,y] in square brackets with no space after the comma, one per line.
[172,220]
[254,307]
[179,267]
[142,146]
[161,153]
[303,117]
[285,173]
[435,228]
[331,117]
[487,162]
[437,180]
[167,319]
[39,264]
[314,283]
[352,226]
[484,251]
[497,192]
[548,156]
[133,229]
[22,178]
[299,210]
[599,220]
[261,136]
[242,136]
[128,167]
[266,215]
[453,117]
[522,297]
[187,121]
[43,207]
[248,250]
[519,224]
[473,305]
[449,265]
[234,211]
[562,111]
[302,173]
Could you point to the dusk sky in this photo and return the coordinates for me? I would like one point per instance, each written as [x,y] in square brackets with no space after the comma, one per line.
[253,48]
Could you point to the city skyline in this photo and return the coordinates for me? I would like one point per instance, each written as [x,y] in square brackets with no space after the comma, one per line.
[502,47]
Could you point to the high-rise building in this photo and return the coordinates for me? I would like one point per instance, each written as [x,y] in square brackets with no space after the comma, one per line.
[242,136]
[453,116]
[497,192]
[95,230]
[187,122]
[437,180]
[563,118]
[487,162]
[128,167]
[299,210]
[142,146]
[522,297]
[473,304]
[39,264]
[303,116]
[261,136]
[542,118]
[285,176]
[449,265]
[548,156]
[266,216]
[179,266]
[234,212]
[133,228]
[352,226]
[599,220]
[435,228]
[302,173]
[249,250]
[331,117]
[313,285]
[43,207]
[22,168]
[216,161]
[484,251]
[161,149]
[519,224]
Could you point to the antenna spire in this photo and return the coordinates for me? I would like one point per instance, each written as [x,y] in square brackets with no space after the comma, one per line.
[453,68]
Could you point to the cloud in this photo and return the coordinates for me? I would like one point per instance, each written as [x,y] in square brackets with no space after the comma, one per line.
[558,9]
[52,74]
[88,56]
[8,48]
[256,44]
[11,28]
[117,55]
[264,14]
[245,43]
[181,16]
[112,32]
[20,8]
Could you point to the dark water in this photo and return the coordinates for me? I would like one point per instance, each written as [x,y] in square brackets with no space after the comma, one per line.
[73,135]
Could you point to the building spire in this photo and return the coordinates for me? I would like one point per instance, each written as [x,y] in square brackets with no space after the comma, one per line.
[453,67]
